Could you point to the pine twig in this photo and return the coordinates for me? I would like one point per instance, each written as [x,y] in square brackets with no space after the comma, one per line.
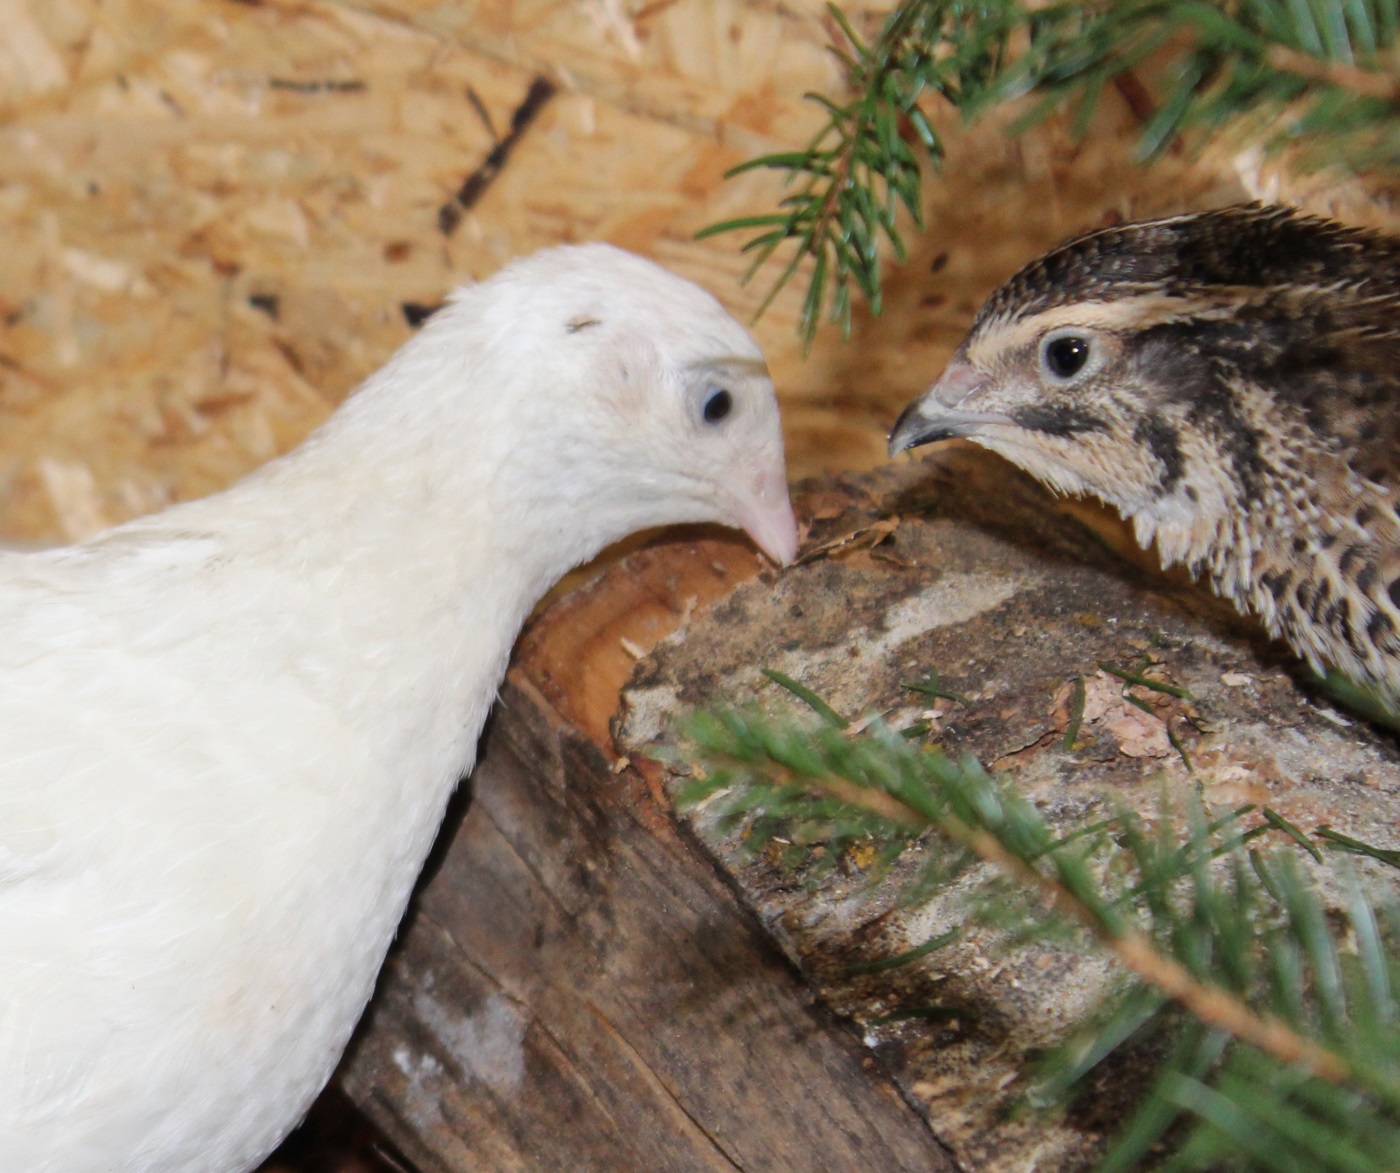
[1133,949]
[1368,83]
[1288,1016]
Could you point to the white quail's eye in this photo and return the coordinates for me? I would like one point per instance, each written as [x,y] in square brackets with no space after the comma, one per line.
[718,404]
[1065,353]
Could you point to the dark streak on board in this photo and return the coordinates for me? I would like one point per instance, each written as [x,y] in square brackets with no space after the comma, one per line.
[450,214]
[329,86]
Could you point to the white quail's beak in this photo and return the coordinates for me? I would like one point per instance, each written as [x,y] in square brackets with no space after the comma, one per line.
[938,414]
[765,513]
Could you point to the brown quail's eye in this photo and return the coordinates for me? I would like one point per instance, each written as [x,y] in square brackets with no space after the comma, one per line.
[1065,356]
[717,406]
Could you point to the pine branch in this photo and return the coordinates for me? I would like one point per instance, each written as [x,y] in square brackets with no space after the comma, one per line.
[1234,937]
[1316,75]
[1367,83]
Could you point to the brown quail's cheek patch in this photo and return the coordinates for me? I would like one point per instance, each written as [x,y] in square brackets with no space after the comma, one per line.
[1194,374]
[1058,419]
[1171,359]
[1162,440]
[1240,444]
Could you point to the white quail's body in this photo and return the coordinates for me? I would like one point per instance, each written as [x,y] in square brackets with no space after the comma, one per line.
[228,731]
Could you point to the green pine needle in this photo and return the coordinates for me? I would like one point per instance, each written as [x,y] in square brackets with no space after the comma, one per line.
[807,697]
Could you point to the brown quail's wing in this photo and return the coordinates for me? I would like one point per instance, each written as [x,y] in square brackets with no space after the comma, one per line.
[1335,362]
[1359,406]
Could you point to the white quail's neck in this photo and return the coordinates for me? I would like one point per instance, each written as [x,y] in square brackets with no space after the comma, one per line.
[402,547]
[431,480]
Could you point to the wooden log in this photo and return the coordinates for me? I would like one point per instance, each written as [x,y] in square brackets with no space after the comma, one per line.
[579,989]
[589,983]
[960,568]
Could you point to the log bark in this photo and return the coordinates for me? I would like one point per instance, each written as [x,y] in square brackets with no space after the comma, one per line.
[577,988]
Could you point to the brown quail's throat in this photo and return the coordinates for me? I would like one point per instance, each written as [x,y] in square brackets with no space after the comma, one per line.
[1228,381]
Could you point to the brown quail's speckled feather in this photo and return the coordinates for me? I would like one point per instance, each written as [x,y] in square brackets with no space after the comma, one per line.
[1228,381]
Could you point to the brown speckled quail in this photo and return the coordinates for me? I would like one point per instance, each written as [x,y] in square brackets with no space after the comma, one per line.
[1230,382]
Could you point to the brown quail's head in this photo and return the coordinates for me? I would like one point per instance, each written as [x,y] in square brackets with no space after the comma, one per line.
[1230,382]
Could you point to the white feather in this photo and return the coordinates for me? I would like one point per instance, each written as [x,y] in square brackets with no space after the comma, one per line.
[228,731]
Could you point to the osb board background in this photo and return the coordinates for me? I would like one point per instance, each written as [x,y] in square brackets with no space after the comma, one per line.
[214,212]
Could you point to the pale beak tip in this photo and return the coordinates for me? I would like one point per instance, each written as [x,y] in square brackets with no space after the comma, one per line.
[763,510]
[772,527]
[776,535]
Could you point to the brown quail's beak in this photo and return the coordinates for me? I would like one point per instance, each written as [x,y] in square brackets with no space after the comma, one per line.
[939,415]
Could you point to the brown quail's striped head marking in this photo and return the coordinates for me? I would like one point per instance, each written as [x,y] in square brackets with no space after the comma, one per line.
[1227,380]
